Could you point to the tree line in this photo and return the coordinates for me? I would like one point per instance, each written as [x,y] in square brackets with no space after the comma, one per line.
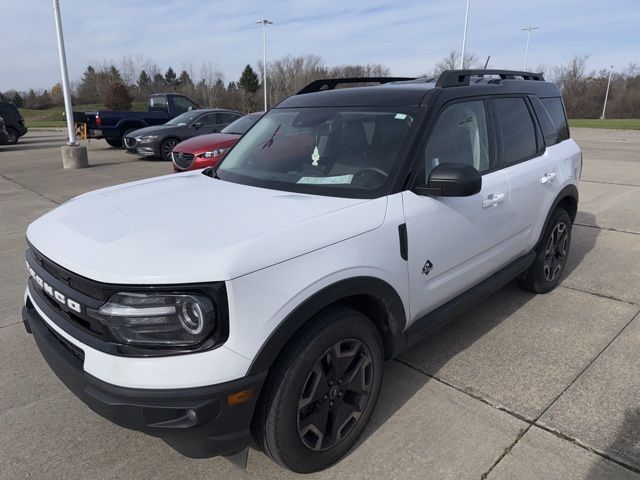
[133,80]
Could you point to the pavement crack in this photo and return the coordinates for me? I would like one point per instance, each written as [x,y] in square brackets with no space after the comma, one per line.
[584,446]
[9,179]
[506,451]
[610,183]
[601,295]
[610,229]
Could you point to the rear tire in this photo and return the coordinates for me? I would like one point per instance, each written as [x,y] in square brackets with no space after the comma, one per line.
[320,395]
[114,142]
[551,255]
[12,135]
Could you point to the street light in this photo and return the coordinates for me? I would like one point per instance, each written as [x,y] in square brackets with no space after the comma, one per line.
[73,155]
[526,50]
[606,95]
[464,35]
[264,23]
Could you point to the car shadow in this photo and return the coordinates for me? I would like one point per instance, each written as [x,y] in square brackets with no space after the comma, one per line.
[624,448]
[435,351]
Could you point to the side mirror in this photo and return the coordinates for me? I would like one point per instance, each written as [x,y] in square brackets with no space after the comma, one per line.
[197,125]
[451,180]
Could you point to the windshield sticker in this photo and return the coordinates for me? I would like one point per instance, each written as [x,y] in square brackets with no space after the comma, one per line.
[315,157]
[336,180]
[400,116]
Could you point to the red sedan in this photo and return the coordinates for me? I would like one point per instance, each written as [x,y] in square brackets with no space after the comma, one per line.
[207,150]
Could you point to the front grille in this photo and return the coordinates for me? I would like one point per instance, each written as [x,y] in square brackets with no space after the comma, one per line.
[130,142]
[182,160]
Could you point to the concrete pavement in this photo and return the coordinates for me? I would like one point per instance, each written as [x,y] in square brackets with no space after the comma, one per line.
[519,387]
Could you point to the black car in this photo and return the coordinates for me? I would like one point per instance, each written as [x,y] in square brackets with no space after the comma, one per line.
[158,141]
[14,123]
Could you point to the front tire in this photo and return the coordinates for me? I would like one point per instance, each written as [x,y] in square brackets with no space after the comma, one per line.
[551,255]
[166,147]
[321,394]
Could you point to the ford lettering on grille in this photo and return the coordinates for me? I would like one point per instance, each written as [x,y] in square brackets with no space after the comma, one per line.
[52,292]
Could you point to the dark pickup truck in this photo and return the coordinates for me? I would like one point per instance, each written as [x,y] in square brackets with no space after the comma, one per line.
[113,126]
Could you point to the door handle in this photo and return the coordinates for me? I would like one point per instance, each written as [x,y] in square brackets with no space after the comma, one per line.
[547,177]
[492,200]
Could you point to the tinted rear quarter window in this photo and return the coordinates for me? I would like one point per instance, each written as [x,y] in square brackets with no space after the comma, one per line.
[556,112]
[516,130]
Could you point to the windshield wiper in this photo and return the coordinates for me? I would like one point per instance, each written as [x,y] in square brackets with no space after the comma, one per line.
[211,172]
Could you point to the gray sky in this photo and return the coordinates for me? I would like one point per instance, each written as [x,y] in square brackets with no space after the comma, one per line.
[409,36]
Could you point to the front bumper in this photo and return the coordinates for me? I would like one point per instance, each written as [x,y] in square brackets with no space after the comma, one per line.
[143,151]
[197,422]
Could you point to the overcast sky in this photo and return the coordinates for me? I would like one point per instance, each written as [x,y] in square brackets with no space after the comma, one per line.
[409,36]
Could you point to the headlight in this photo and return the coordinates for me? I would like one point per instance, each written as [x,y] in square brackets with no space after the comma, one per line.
[214,153]
[158,319]
[147,139]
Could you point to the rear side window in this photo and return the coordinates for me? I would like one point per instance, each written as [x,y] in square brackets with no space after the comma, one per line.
[556,112]
[548,127]
[225,117]
[515,129]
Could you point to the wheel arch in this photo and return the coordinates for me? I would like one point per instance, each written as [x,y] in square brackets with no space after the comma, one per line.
[566,199]
[371,296]
[123,125]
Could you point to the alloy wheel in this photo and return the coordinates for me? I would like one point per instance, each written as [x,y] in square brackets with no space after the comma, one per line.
[556,251]
[335,394]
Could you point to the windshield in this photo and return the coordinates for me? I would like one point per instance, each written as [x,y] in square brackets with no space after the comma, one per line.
[339,151]
[241,125]
[184,119]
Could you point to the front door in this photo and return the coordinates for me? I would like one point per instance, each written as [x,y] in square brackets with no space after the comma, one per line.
[456,242]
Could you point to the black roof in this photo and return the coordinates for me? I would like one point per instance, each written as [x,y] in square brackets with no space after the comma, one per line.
[415,92]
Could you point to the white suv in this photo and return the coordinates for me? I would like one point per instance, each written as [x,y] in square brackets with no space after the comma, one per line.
[342,228]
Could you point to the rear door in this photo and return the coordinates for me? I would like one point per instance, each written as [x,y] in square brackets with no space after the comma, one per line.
[531,168]
[454,243]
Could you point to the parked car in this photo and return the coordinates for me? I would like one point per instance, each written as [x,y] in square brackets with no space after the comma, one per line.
[207,150]
[159,141]
[4,137]
[268,310]
[113,126]
[14,122]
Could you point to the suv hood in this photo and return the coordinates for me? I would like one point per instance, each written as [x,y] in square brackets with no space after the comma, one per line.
[186,228]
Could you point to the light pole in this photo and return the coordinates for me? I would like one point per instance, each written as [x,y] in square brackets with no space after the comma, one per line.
[606,95]
[264,23]
[464,35]
[73,155]
[526,50]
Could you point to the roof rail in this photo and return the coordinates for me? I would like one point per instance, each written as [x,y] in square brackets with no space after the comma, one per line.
[458,78]
[331,83]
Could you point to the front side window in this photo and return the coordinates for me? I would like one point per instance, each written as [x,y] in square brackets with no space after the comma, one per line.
[459,136]
[338,151]
[515,129]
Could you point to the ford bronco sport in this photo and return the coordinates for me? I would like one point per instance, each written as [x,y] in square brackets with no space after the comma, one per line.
[345,225]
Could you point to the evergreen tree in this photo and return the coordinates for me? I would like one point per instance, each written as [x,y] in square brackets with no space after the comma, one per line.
[158,82]
[185,79]
[17,100]
[170,78]
[249,80]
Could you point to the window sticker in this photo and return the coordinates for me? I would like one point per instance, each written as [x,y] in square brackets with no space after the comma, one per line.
[336,180]
[400,116]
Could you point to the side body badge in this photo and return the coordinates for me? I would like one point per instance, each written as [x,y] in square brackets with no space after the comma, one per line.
[427,267]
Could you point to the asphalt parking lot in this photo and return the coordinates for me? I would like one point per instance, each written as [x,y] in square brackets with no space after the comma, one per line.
[520,387]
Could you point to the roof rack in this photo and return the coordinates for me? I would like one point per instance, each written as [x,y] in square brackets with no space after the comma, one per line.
[458,78]
[331,83]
